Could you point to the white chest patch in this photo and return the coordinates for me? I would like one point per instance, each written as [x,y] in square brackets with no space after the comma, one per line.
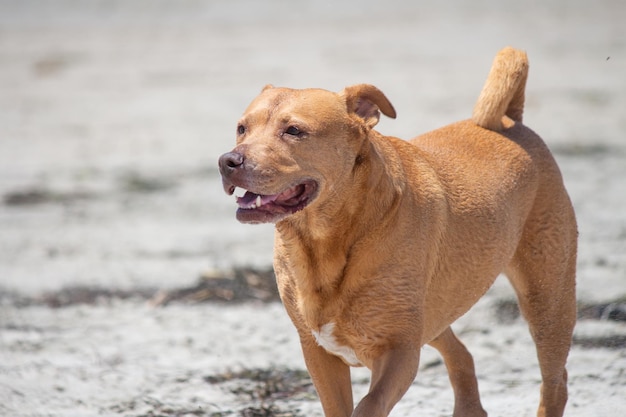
[325,339]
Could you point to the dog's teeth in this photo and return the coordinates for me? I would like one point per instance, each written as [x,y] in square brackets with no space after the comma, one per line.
[239,192]
[258,201]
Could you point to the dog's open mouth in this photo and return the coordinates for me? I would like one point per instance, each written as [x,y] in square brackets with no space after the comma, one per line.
[260,208]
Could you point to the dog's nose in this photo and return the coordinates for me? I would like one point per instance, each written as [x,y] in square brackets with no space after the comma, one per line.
[230,161]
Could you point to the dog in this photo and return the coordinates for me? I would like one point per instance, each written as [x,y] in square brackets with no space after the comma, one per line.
[382,243]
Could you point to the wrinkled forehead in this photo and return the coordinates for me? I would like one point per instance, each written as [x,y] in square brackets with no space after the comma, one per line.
[308,104]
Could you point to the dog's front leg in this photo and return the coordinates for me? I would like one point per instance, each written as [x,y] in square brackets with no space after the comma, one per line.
[392,375]
[331,377]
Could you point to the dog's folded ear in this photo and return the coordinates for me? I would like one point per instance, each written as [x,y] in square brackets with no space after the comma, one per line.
[367,101]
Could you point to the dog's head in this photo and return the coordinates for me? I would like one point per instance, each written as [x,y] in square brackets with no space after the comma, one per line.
[297,148]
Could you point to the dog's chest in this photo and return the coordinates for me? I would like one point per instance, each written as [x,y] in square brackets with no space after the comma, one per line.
[325,338]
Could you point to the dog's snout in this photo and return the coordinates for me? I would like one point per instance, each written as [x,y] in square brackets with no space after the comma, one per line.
[229,164]
[230,161]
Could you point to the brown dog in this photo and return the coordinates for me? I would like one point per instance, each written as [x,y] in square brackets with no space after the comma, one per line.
[381,243]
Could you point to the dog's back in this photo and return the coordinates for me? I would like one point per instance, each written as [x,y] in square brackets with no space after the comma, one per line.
[494,152]
[498,176]
[507,203]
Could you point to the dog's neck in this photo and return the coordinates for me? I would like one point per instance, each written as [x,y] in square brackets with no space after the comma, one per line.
[318,248]
[376,182]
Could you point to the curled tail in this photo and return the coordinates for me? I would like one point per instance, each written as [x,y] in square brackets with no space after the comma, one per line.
[503,92]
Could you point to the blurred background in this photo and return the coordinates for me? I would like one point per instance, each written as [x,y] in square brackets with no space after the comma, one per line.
[113,114]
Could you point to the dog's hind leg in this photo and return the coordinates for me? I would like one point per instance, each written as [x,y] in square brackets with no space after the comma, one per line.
[460,367]
[543,273]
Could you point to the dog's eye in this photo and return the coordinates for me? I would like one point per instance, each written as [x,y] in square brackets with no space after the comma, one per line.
[241,129]
[293,131]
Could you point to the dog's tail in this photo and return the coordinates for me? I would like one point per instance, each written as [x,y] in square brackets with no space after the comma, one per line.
[503,93]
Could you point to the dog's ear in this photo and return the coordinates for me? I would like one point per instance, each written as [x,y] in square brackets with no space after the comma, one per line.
[367,101]
[267,87]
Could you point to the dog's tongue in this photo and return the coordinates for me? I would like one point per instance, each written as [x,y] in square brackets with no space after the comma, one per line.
[252,200]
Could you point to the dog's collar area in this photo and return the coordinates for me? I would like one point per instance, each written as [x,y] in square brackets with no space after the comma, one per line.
[266,208]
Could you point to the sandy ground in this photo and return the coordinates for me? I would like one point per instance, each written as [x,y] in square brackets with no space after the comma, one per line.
[113,114]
